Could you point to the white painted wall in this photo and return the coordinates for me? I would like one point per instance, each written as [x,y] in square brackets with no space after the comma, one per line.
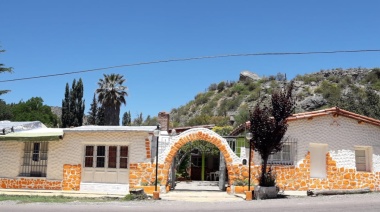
[11,153]
[70,150]
[341,134]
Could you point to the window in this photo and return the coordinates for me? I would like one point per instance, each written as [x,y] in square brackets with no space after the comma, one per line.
[106,156]
[363,159]
[124,157]
[112,156]
[196,161]
[286,156]
[100,156]
[89,156]
[34,162]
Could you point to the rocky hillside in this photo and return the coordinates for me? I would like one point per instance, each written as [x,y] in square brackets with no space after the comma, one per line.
[228,102]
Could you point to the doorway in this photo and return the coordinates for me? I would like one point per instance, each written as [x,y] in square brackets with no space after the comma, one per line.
[318,153]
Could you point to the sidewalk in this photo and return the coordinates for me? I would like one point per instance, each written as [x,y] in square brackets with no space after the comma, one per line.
[183,192]
[208,191]
[28,192]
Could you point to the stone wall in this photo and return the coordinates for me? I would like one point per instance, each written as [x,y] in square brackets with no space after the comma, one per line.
[30,183]
[145,174]
[298,178]
[71,177]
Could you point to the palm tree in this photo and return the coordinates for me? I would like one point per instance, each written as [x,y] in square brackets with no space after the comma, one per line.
[111,94]
[4,69]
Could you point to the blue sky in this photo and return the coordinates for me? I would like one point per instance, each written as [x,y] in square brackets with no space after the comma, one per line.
[47,37]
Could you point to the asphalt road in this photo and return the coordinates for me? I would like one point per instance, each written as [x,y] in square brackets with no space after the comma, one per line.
[347,203]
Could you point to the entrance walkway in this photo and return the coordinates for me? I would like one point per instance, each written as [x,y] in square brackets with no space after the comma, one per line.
[197,186]
[199,191]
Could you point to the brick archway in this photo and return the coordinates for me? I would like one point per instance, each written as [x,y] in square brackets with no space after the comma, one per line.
[231,159]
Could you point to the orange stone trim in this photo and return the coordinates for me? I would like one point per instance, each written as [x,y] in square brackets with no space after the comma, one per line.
[71,177]
[30,183]
[147,148]
[298,178]
[232,175]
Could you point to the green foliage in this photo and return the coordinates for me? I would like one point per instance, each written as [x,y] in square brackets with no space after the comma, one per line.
[138,121]
[111,95]
[253,85]
[100,120]
[149,121]
[242,115]
[209,107]
[127,119]
[131,197]
[34,110]
[5,111]
[223,131]
[4,69]
[373,78]
[240,89]
[330,91]
[73,105]
[230,104]
[308,78]
[362,102]
[221,86]
[205,120]
[23,199]
[202,98]
[91,119]
[268,179]
[230,95]
[213,87]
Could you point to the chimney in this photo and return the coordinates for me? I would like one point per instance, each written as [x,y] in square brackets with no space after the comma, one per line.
[163,120]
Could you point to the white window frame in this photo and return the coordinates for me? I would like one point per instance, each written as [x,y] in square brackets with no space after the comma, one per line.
[366,159]
[34,160]
[106,156]
[279,158]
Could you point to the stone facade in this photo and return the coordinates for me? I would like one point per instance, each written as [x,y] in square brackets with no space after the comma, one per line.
[298,178]
[142,173]
[71,177]
[30,183]
[341,135]
[66,156]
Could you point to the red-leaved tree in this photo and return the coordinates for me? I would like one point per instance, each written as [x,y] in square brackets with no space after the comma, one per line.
[268,126]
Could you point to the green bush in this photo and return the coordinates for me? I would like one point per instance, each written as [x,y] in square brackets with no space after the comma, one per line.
[269,178]
[239,88]
[221,86]
[330,91]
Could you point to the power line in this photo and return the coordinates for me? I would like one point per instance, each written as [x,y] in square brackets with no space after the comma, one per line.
[195,58]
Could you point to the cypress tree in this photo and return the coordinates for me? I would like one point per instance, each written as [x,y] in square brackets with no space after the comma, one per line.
[100,116]
[79,102]
[73,105]
[127,119]
[66,108]
[93,111]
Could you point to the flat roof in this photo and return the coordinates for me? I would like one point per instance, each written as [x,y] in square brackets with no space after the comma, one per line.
[40,134]
[92,128]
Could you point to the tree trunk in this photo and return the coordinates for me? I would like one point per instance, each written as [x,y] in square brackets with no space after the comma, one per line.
[111,116]
[337,192]
[263,169]
[203,166]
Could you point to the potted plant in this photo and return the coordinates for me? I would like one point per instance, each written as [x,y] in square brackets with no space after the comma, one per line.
[240,186]
[268,126]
